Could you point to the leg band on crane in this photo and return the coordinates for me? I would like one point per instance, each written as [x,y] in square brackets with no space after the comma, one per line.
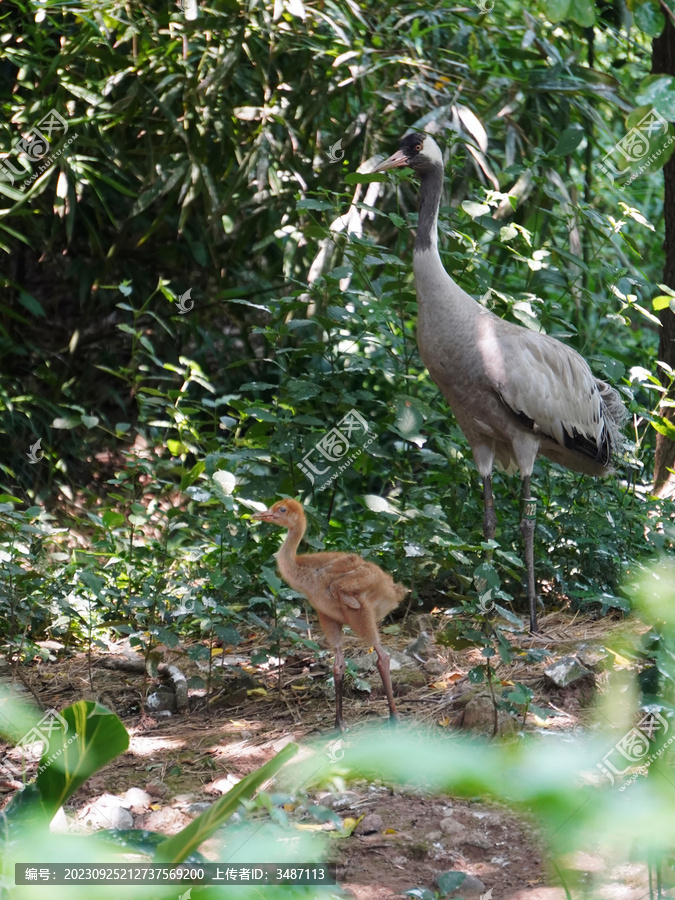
[530,508]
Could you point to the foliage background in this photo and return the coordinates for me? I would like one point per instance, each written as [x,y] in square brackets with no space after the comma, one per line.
[207,160]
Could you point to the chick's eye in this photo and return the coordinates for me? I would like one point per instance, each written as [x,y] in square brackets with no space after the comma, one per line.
[282,509]
[417,148]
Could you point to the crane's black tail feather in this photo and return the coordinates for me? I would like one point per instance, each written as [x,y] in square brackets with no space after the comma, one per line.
[615,416]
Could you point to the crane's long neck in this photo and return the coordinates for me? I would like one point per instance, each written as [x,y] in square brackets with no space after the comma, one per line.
[287,557]
[437,293]
[431,187]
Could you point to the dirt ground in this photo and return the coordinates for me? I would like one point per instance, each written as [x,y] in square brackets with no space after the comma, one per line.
[407,838]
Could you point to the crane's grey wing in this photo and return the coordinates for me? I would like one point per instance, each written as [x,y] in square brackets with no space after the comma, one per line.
[552,390]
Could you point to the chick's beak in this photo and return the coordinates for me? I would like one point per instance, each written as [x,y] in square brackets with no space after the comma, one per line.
[267,515]
[395,161]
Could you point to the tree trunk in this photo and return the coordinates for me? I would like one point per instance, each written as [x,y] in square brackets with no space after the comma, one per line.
[663,63]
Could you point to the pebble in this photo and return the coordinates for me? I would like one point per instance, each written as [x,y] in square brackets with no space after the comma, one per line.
[369,824]
[137,797]
[157,789]
[343,800]
[453,830]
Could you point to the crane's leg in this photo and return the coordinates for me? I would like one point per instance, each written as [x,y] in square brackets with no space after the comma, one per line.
[383,669]
[333,632]
[527,524]
[338,677]
[489,514]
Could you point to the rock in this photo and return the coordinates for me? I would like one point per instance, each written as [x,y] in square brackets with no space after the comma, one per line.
[120,818]
[420,646]
[222,785]
[156,789]
[235,698]
[167,820]
[107,812]
[109,800]
[442,809]
[137,797]
[367,662]
[453,830]
[593,657]
[470,885]
[59,824]
[476,839]
[487,818]
[479,716]
[163,699]
[398,659]
[343,800]
[369,824]
[434,667]
[196,809]
[412,678]
[566,671]
[434,836]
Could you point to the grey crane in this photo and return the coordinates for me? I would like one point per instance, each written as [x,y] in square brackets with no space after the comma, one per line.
[515,393]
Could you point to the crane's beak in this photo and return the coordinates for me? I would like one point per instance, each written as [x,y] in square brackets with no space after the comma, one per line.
[267,515]
[396,161]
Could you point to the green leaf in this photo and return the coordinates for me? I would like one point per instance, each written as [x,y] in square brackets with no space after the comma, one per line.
[649,18]
[270,578]
[302,389]
[29,302]
[510,557]
[181,845]
[92,581]
[160,187]
[658,92]
[569,141]
[450,881]
[485,577]
[229,636]
[83,93]
[509,616]
[475,210]
[664,427]
[582,12]
[476,675]
[112,519]
[309,203]
[556,10]
[93,738]
[663,302]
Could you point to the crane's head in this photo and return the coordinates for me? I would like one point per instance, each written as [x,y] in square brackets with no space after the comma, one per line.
[419,151]
[285,513]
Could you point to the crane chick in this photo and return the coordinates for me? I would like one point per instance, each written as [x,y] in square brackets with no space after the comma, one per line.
[343,588]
